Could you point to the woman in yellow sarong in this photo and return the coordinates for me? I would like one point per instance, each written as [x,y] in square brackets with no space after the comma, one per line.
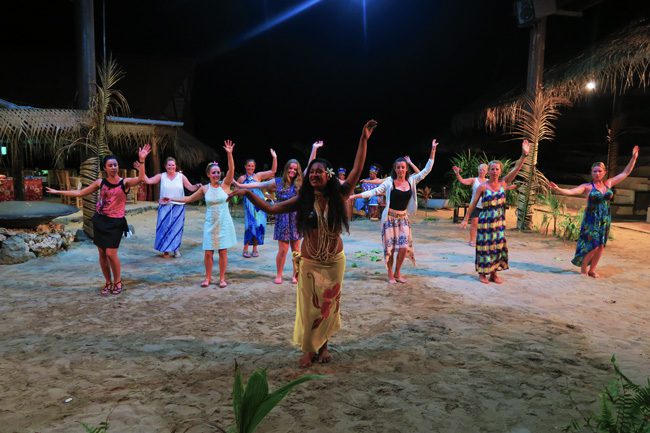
[321,263]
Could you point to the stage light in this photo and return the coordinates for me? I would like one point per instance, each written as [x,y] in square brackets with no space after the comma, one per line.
[591,85]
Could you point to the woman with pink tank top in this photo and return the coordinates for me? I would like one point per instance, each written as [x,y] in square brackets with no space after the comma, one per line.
[109,223]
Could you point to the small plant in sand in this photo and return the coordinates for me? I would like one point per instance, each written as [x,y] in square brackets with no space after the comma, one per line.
[252,401]
[101,428]
[624,408]
[373,255]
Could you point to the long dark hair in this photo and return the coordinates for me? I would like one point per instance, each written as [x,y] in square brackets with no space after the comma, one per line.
[337,217]
[393,174]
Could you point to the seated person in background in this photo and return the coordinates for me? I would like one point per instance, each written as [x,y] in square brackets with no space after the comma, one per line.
[341,175]
[368,206]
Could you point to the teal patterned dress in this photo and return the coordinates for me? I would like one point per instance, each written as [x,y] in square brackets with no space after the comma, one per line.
[596,222]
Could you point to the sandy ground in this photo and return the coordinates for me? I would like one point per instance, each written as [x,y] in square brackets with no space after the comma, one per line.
[442,353]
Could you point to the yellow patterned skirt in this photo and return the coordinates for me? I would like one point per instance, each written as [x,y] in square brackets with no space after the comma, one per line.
[318,297]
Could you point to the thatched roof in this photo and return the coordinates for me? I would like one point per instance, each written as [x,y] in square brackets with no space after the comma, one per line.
[47,128]
[618,63]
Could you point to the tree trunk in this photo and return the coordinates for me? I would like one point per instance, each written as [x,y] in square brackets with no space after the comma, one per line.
[89,172]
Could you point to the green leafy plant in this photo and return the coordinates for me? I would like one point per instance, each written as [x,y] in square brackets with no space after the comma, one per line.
[624,408]
[101,428]
[252,401]
[570,226]
[556,208]
[468,163]
[424,194]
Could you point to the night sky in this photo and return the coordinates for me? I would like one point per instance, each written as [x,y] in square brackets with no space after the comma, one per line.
[318,75]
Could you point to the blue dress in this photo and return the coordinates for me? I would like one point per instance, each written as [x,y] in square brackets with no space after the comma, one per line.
[254,218]
[286,224]
[218,229]
[596,222]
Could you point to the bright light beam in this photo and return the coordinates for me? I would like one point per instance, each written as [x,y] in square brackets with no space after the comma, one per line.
[268,25]
[591,85]
[365,27]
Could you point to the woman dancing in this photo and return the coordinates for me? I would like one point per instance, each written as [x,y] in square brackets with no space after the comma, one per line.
[171,215]
[475,182]
[491,245]
[597,219]
[255,219]
[321,263]
[401,201]
[218,229]
[109,223]
[286,224]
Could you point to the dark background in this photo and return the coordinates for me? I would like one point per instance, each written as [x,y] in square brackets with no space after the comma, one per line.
[316,75]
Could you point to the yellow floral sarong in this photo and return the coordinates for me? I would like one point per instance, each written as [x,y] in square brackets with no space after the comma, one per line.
[318,296]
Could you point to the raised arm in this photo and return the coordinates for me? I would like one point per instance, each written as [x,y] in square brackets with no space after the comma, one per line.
[626,172]
[285,206]
[77,192]
[479,192]
[578,190]
[525,148]
[360,157]
[142,156]
[314,150]
[228,145]
[414,167]
[429,165]
[468,181]
[263,175]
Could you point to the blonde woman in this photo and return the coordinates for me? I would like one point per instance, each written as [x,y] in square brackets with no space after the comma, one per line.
[594,230]
[286,224]
[218,229]
[171,215]
[475,182]
[491,245]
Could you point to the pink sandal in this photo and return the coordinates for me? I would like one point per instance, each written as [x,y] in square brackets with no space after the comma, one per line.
[106,290]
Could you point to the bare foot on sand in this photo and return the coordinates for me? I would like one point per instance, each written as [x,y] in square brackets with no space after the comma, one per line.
[483,279]
[324,355]
[494,277]
[205,283]
[400,279]
[294,279]
[392,281]
[306,360]
[593,274]
[277,280]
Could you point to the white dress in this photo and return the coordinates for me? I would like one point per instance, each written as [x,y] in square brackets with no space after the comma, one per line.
[218,230]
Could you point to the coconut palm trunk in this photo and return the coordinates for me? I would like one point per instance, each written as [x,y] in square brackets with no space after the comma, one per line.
[534,122]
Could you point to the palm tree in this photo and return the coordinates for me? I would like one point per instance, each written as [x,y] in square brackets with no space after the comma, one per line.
[534,121]
[107,101]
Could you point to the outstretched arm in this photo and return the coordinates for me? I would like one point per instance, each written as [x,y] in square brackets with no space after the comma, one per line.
[628,169]
[268,184]
[228,145]
[525,148]
[263,175]
[578,190]
[77,192]
[414,167]
[472,205]
[289,205]
[199,193]
[360,158]
[188,185]
[467,182]
[376,181]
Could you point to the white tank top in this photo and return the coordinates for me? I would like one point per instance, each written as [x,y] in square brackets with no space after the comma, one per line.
[172,188]
[475,186]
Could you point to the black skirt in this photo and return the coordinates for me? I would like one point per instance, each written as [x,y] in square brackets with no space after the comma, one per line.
[108,231]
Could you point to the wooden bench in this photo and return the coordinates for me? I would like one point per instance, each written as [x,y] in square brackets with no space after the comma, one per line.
[457,216]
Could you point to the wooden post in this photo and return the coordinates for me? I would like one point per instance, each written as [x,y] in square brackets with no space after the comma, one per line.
[17,166]
[85,43]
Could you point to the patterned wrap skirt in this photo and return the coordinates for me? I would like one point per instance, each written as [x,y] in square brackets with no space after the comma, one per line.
[491,244]
[396,235]
[169,227]
[318,297]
